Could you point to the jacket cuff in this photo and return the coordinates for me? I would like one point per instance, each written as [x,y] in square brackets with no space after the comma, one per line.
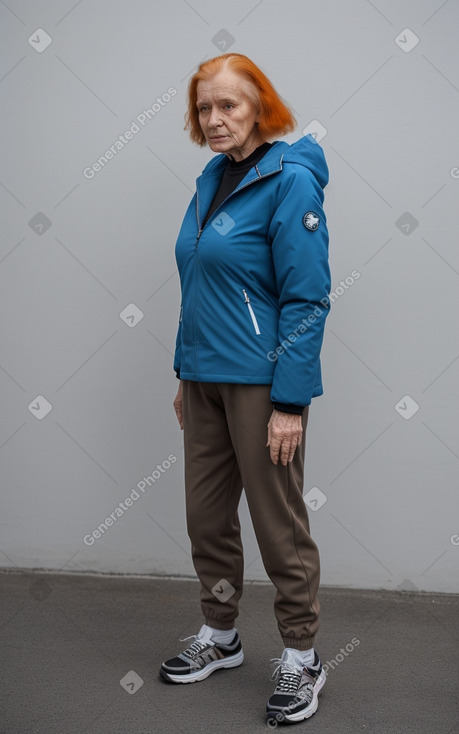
[289,408]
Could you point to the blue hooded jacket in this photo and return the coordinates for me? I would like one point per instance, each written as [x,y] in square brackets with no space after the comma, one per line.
[255,280]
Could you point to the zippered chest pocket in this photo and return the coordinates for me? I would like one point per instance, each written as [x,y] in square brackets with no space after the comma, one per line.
[251,312]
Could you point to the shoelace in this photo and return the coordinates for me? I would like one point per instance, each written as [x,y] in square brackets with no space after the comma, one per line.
[288,678]
[195,648]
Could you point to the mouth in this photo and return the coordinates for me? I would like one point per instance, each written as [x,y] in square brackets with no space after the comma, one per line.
[219,137]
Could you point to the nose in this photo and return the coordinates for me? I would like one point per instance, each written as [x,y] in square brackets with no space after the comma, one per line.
[215,118]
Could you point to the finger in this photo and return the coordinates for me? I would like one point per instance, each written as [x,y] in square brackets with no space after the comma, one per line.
[295,443]
[285,453]
[274,454]
[288,450]
[274,448]
[269,434]
[293,448]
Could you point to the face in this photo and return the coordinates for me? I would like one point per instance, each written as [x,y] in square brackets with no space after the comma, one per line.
[227,115]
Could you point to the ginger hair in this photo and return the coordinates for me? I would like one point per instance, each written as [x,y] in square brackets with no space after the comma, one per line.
[275,118]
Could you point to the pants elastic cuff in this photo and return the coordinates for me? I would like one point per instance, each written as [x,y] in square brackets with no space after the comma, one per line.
[216,624]
[299,643]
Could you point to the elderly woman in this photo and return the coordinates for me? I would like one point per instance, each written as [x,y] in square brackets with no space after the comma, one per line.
[252,254]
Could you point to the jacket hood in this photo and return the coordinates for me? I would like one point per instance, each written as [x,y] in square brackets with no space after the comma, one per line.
[305,151]
[309,154]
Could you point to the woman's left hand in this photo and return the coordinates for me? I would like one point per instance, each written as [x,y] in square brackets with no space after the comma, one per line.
[285,432]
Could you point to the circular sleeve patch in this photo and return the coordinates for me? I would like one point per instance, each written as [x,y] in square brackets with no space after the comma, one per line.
[311,221]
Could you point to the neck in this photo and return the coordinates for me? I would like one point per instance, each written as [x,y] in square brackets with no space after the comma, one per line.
[239,154]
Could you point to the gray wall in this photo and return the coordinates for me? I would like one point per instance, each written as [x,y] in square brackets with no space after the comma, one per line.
[80,247]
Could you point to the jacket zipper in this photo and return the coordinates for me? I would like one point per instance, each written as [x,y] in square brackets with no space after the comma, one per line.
[197,219]
[251,312]
[271,173]
[200,229]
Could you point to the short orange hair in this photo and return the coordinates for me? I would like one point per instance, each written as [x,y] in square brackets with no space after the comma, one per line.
[275,117]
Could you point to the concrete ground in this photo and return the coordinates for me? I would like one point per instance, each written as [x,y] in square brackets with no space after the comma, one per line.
[67,641]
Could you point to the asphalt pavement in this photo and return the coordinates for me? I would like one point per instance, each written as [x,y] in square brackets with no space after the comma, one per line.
[80,655]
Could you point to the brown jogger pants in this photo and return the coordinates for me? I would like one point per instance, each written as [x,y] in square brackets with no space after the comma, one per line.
[225,434]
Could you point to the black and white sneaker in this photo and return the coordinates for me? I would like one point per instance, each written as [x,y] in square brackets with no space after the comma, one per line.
[202,658]
[297,689]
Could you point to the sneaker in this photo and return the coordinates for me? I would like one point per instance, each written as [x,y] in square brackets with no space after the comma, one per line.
[297,689]
[202,658]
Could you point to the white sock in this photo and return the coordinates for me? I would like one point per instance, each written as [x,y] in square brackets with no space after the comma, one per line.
[301,657]
[223,636]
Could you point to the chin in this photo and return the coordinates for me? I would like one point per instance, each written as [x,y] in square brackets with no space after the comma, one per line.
[212,143]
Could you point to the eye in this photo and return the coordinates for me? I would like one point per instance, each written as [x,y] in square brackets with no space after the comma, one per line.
[229,105]
[203,108]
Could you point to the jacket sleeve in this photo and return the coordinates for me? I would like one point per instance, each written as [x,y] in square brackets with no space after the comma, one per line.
[178,346]
[300,258]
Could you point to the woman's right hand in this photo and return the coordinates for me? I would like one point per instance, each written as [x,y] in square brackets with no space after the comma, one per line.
[178,405]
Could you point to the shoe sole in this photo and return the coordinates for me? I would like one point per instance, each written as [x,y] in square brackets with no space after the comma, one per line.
[280,718]
[231,662]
